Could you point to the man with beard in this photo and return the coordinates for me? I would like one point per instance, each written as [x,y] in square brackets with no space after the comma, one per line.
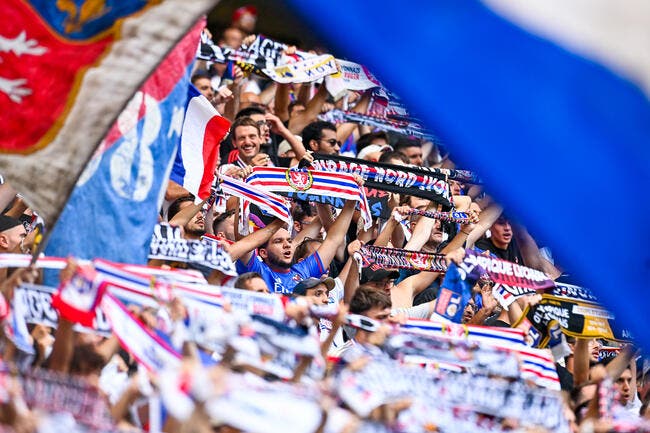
[195,228]
[274,258]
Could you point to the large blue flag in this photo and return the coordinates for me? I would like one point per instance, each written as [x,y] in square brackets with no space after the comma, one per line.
[547,106]
[114,207]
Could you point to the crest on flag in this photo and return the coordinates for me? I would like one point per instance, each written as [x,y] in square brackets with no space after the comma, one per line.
[300,180]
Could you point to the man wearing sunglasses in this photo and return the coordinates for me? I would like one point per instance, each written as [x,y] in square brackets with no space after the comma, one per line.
[320,137]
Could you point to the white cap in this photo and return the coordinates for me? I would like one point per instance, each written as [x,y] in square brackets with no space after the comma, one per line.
[372,148]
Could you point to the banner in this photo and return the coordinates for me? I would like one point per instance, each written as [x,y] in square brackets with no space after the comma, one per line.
[388,177]
[168,244]
[38,309]
[305,71]
[576,311]
[198,151]
[506,273]
[87,45]
[324,183]
[114,207]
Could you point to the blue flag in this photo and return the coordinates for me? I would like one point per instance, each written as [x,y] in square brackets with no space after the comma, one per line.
[114,206]
[556,124]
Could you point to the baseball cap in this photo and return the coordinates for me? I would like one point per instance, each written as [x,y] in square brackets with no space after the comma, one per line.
[7,222]
[368,275]
[372,149]
[243,10]
[309,283]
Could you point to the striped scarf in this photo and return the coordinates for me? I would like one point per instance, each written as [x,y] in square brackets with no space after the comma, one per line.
[318,183]
[537,365]
[251,194]
[454,217]
[384,257]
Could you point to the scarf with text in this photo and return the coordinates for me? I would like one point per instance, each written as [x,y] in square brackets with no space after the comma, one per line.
[51,391]
[167,243]
[506,273]
[383,380]
[394,178]
[462,355]
[579,314]
[383,123]
[319,183]
[384,257]
[267,58]
[353,76]
[454,217]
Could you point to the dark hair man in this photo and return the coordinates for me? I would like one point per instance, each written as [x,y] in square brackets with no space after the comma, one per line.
[320,137]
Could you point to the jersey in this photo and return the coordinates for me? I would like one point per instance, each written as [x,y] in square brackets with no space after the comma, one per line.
[284,282]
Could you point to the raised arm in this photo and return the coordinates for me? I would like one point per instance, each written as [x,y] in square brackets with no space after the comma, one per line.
[277,127]
[312,109]
[336,234]
[243,248]
[489,215]
[344,130]
[530,252]
[282,101]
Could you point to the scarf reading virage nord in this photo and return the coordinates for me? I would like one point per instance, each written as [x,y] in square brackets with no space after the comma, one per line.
[388,177]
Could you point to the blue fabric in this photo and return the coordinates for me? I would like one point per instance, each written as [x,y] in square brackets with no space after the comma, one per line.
[556,138]
[120,208]
[278,282]
[455,293]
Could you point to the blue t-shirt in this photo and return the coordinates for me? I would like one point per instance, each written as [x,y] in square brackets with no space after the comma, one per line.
[284,282]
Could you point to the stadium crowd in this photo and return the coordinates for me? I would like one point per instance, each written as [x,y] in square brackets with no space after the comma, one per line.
[345,315]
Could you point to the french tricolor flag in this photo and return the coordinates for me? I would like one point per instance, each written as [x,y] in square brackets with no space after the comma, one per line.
[198,153]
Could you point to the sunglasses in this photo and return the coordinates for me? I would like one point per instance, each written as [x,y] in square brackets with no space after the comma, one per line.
[332,142]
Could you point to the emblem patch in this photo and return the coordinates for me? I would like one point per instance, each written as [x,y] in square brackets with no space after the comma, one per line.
[299,180]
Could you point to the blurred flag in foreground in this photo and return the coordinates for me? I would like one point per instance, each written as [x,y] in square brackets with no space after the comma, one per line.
[68,69]
[114,207]
[546,99]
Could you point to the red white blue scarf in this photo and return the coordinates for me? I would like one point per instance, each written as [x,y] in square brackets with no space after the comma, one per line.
[321,183]
[251,194]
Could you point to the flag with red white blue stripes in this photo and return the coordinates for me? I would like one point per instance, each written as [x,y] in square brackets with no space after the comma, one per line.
[198,152]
